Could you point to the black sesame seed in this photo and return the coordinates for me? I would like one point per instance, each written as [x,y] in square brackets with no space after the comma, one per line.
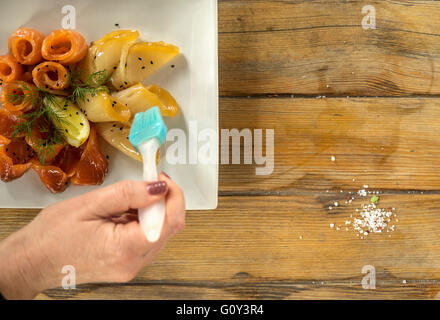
[125,82]
[81,123]
[126,65]
[115,68]
[172,66]
[88,100]
[77,112]
[114,126]
[116,24]
[67,131]
[151,61]
[140,59]
[143,67]
[121,86]
[107,157]
[120,128]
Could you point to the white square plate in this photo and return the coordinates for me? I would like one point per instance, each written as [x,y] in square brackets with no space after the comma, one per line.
[189,24]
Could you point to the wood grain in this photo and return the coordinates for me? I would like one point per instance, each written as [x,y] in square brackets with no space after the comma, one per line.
[250,247]
[384,143]
[320,48]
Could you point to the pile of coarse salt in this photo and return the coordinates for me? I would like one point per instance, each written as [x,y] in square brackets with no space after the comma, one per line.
[369,218]
[373,219]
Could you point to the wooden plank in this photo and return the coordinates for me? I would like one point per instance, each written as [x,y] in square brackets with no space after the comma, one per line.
[251,246]
[320,48]
[243,290]
[384,143]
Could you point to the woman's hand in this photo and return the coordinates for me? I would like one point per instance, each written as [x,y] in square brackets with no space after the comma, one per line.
[96,233]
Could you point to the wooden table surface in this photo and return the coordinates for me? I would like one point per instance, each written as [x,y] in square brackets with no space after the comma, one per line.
[377,112]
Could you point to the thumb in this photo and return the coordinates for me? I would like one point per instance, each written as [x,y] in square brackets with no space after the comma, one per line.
[121,197]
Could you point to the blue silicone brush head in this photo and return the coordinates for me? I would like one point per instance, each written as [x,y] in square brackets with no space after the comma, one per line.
[147,125]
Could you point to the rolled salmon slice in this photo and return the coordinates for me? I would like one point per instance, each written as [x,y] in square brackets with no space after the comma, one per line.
[19,96]
[10,70]
[51,75]
[64,46]
[25,45]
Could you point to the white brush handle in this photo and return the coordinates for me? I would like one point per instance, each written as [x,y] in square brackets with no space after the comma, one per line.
[152,217]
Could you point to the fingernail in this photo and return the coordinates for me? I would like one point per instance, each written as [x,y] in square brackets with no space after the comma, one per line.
[157,188]
[165,174]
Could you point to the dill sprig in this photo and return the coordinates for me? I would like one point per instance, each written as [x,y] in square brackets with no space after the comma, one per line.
[45,148]
[94,84]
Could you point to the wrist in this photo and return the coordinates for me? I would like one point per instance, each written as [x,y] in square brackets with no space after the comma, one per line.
[19,268]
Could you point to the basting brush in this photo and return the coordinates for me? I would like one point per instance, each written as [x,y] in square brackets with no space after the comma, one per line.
[147,134]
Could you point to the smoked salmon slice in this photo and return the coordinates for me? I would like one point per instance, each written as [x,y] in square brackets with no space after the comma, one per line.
[51,75]
[56,175]
[85,165]
[46,154]
[10,70]
[55,179]
[92,167]
[64,46]
[8,122]
[25,45]
[18,96]
[15,159]
[68,159]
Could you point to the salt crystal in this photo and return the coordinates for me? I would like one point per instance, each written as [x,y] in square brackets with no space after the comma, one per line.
[333,158]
